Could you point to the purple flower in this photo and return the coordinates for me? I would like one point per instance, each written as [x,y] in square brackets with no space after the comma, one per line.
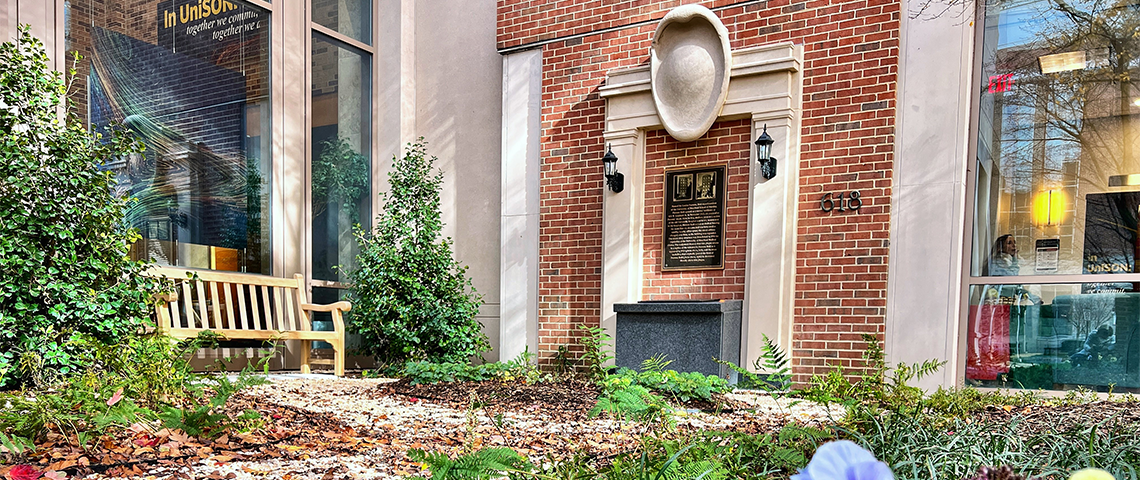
[844,460]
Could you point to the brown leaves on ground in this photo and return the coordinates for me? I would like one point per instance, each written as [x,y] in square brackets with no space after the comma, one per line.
[543,421]
[1063,417]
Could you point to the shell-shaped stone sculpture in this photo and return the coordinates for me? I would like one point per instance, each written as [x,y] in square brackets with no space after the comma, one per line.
[689,68]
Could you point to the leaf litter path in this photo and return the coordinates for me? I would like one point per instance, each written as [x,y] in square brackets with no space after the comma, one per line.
[362,428]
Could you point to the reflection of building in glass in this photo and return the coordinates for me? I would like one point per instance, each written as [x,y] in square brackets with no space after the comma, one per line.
[201,184]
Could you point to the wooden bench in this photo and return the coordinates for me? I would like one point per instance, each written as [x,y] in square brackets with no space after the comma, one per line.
[248,307]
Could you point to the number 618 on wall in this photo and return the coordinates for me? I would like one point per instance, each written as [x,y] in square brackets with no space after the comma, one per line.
[843,200]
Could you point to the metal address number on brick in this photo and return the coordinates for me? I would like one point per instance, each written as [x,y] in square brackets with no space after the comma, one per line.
[852,202]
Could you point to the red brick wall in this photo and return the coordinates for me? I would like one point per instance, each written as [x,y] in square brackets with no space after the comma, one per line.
[727,142]
[850,67]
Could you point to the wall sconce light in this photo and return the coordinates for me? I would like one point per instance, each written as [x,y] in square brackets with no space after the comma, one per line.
[764,154]
[614,179]
[1049,208]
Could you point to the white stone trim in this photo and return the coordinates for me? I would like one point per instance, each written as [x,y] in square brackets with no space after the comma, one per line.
[766,86]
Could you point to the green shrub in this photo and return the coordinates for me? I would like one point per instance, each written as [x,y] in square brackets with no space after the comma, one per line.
[64,264]
[520,369]
[772,360]
[146,379]
[411,299]
[680,386]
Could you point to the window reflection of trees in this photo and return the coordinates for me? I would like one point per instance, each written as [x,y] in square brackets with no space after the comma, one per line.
[1068,130]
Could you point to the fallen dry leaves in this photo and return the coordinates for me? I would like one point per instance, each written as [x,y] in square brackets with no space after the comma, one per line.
[338,421]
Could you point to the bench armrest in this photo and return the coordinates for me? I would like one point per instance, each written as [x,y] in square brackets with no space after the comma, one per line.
[312,307]
[167,297]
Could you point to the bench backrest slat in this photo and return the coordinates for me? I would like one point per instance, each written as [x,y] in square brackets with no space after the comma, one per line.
[227,290]
[203,307]
[290,315]
[278,310]
[174,319]
[265,302]
[242,317]
[216,318]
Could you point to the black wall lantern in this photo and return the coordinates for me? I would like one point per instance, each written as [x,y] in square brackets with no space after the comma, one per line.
[614,179]
[764,155]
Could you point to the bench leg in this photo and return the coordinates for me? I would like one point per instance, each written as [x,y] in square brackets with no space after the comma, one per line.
[338,358]
[306,350]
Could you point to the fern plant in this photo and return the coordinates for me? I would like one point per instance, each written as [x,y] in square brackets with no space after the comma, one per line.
[599,351]
[625,400]
[673,468]
[479,465]
[772,360]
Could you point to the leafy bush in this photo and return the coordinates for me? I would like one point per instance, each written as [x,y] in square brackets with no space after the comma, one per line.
[879,382]
[520,369]
[126,384]
[411,299]
[64,265]
[424,371]
[680,386]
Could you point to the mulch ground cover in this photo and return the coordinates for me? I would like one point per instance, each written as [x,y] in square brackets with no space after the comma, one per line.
[572,397]
[1064,417]
[298,434]
[140,451]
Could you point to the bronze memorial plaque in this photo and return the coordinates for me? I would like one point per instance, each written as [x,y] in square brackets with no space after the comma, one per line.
[694,218]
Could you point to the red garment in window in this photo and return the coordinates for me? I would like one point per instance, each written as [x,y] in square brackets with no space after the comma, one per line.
[987,342]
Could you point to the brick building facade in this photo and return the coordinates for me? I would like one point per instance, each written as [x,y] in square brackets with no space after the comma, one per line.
[851,51]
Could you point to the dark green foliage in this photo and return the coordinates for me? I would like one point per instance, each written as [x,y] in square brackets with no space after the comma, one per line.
[675,467]
[64,264]
[340,176]
[624,400]
[773,361]
[432,372]
[879,382]
[480,465]
[520,369]
[921,447]
[745,456]
[152,374]
[411,299]
[204,417]
[680,386]
[598,353]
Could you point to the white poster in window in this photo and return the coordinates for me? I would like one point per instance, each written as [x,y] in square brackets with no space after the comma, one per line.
[1048,253]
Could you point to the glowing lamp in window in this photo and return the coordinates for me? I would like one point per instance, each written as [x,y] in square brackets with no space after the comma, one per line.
[1049,208]
[1061,62]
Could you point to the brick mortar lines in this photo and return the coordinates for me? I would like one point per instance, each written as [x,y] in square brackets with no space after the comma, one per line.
[846,143]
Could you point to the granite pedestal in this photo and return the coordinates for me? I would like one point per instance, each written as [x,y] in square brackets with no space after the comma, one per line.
[690,333]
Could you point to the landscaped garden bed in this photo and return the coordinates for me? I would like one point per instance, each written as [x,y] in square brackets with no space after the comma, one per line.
[90,389]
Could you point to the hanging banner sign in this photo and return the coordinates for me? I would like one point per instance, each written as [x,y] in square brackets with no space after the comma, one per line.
[200,28]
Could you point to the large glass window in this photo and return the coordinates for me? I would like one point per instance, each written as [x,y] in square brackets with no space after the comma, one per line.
[1054,336]
[352,18]
[341,156]
[191,80]
[1057,193]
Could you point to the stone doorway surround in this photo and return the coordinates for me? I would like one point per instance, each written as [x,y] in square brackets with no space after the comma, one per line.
[766,84]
